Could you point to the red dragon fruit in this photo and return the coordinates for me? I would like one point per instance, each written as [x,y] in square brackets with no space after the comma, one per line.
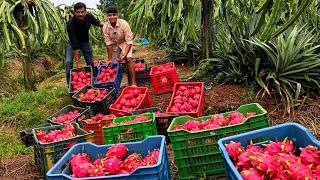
[286,160]
[254,148]
[82,170]
[310,155]
[273,148]
[132,162]
[300,171]
[113,165]
[287,146]
[234,149]
[281,175]
[266,164]
[117,150]
[316,171]
[79,158]
[151,158]
[192,125]
[244,160]
[251,174]
[96,171]
[236,118]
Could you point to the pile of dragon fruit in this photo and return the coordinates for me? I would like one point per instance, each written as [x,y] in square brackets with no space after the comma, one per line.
[79,79]
[130,100]
[107,75]
[93,95]
[98,118]
[65,118]
[186,99]
[137,119]
[276,160]
[139,66]
[67,132]
[116,161]
[216,121]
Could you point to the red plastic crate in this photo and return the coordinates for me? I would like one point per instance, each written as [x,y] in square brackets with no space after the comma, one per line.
[200,108]
[146,101]
[97,128]
[163,82]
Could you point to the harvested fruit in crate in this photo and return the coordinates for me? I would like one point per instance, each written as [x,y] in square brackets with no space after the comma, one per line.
[130,100]
[98,118]
[107,74]
[65,118]
[79,79]
[56,135]
[276,160]
[139,66]
[186,99]
[93,95]
[216,121]
[137,119]
[116,161]
[163,68]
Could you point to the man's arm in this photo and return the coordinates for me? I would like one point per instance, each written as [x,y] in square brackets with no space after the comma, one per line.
[95,21]
[74,44]
[108,42]
[128,38]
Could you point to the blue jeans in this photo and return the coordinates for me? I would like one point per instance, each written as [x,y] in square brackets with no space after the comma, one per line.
[86,51]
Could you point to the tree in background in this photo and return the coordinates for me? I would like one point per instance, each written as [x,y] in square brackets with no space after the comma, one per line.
[26,26]
[122,6]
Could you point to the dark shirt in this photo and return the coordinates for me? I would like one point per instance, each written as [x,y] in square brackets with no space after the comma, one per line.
[78,32]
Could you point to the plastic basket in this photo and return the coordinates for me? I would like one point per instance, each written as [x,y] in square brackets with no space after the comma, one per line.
[197,154]
[163,82]
[130,132]
[146,101]
[97,106]
[162,122]
[85,69]
[159,171]
[97,128]
[300,136]
[26,136]
[200,108]
[116,83]
[85,112]
[142,60]
[46,155]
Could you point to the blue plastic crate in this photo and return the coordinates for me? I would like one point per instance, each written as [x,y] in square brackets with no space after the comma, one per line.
[116,83]
[300,136]
[161,170]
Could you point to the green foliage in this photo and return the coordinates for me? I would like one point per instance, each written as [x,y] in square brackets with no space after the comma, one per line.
[121,5]
[188,53]
[10,143]
[292,65]
[28,109]
[166,21]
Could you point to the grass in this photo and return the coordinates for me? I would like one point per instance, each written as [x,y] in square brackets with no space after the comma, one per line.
[26,110]
[10,143]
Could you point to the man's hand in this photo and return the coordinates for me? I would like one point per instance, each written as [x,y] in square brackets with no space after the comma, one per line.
[76,54]
[78,64]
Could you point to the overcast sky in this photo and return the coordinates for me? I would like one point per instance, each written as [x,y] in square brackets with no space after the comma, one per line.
[89,3]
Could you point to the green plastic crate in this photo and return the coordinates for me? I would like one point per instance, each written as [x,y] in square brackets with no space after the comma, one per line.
[197,154]
[130,132]
[46,155]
